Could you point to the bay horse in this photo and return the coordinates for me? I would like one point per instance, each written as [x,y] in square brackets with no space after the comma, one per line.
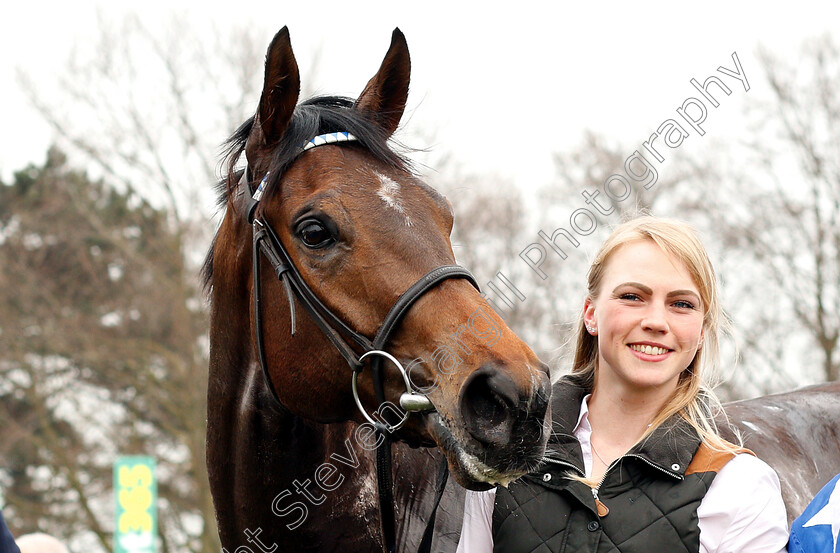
[797,433]
[329,222]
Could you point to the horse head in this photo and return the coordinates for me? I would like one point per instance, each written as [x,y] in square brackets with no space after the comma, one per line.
[360,228]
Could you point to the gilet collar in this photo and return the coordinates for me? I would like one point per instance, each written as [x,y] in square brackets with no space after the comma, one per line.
[670,447]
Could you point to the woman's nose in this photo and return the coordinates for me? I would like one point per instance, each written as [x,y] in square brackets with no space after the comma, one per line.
[655,319]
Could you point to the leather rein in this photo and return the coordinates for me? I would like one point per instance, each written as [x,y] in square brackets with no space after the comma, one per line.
[267,243]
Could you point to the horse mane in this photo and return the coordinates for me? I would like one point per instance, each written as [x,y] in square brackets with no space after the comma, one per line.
[312,117]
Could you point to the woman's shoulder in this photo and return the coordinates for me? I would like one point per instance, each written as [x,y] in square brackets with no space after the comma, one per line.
[745,483]
[743,509]
[746,469]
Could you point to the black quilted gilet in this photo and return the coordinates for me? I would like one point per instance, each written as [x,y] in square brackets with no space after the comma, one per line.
[652,502]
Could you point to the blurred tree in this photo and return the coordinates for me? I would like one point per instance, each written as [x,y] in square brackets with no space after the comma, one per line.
[101,331]
[161,140]
[776,202]
[158,141]
[588,167]
[800,238]
[492,225]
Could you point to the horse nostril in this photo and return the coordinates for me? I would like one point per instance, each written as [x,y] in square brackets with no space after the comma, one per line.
[487,404]
[489,400]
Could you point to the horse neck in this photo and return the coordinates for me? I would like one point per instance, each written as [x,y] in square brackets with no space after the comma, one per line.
[256,449]
[261,451]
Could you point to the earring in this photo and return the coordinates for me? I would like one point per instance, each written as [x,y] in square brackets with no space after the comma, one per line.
[590,329]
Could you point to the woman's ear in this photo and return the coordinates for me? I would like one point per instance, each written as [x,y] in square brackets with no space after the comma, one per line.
[702,337]
[590,321]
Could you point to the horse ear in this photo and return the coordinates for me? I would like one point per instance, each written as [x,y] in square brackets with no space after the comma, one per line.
[385,95]
[281,87]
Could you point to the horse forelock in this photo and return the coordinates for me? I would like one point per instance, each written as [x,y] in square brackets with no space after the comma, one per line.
[313,117]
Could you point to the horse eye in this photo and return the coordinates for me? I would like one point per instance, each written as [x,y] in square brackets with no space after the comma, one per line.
[314,234]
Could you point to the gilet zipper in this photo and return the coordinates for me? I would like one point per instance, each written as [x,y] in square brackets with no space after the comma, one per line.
[603,510]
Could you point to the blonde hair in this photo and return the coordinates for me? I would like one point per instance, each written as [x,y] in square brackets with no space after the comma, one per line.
[693,399]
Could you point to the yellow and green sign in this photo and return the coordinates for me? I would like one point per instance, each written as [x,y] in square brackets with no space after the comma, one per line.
[136,494]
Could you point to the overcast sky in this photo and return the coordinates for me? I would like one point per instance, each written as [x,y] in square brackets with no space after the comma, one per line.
[502,88]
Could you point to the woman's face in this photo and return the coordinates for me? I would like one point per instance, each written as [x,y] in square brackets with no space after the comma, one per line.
[648,318]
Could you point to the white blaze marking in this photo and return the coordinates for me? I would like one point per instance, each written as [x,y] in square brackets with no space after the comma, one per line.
[389,191]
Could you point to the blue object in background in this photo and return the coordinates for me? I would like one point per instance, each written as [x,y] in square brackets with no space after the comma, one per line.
[817,529]
[7,542]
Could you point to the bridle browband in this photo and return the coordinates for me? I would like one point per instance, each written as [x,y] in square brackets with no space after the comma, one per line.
[266,241]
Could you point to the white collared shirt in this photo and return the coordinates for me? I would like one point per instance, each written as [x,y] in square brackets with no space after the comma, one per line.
[742,512]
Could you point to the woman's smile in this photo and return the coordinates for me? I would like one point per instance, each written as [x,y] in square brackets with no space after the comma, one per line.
[650,352]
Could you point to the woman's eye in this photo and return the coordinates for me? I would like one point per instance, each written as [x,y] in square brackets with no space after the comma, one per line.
[314,234]
[684,304]
[628,296]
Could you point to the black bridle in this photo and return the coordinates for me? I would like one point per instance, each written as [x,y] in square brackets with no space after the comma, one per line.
[266,241]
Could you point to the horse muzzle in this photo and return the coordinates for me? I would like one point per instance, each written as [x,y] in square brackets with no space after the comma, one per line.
[503,427]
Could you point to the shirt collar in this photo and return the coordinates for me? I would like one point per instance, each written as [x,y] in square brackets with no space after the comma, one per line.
[582,424]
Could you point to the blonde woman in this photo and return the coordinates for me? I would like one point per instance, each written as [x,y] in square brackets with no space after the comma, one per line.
[635,463]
